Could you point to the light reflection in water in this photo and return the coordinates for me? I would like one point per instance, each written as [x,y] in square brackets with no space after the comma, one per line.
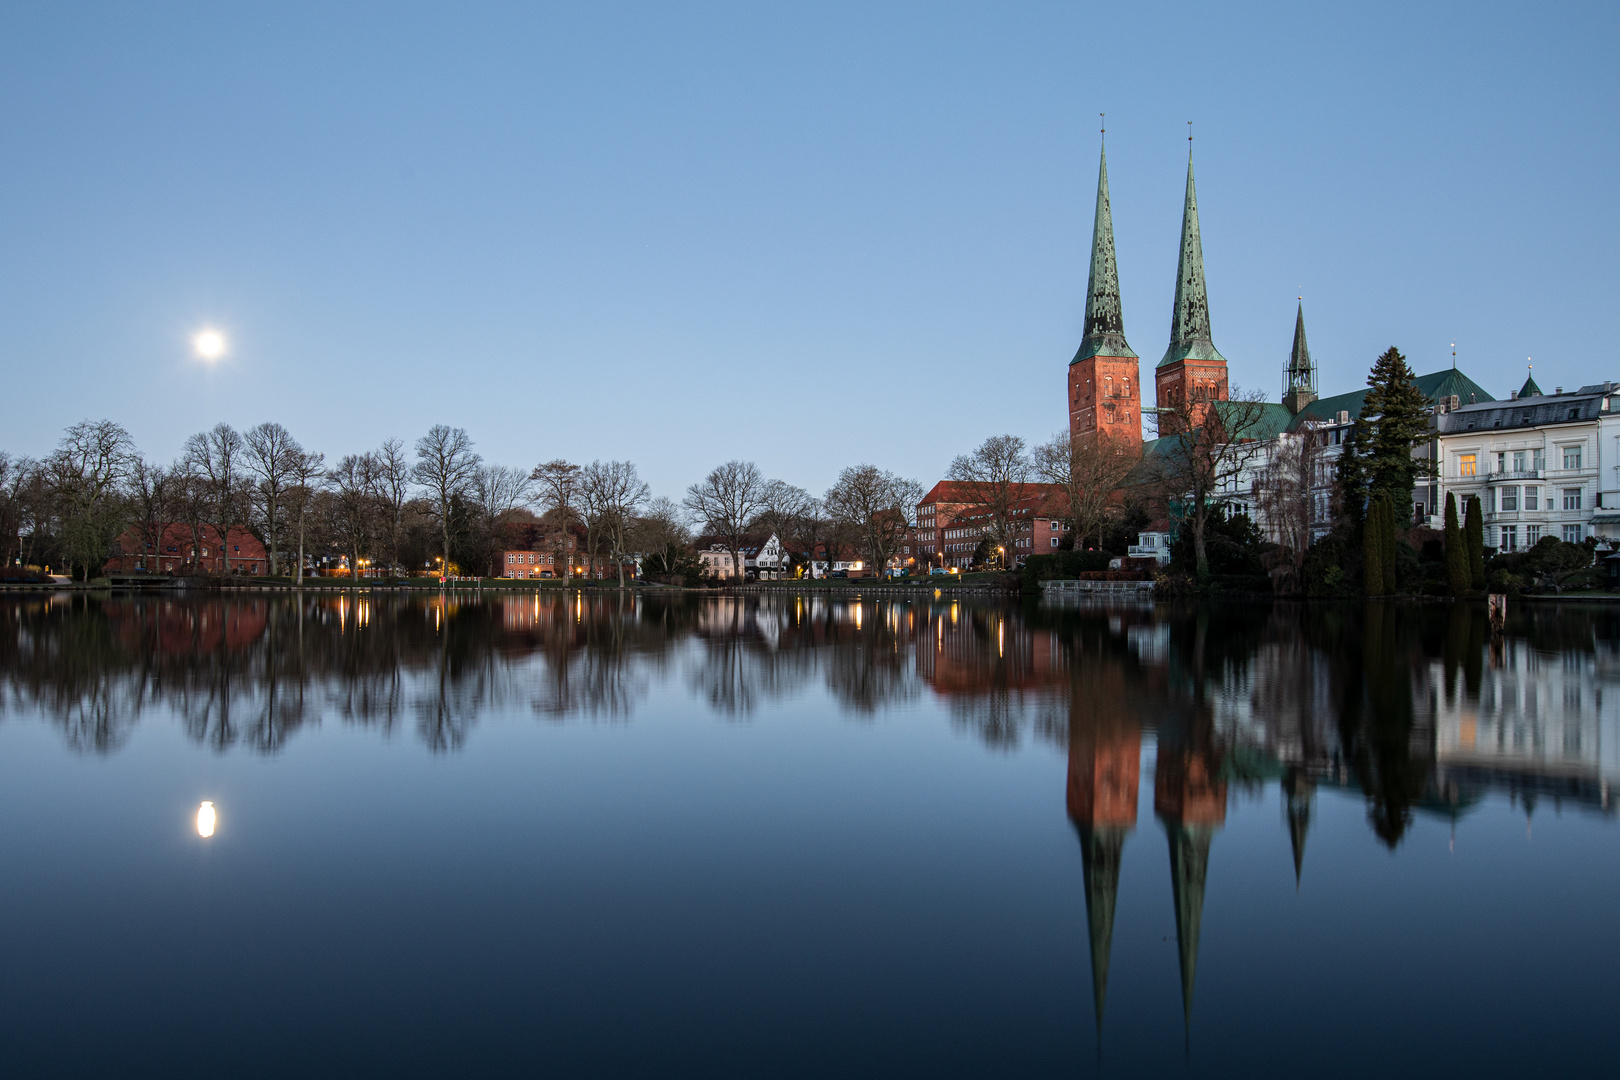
[206,819]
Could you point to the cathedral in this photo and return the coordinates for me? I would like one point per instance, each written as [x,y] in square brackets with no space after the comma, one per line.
[1105,384]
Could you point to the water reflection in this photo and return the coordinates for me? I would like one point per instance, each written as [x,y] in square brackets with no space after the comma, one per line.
[1419,708]
[206,819]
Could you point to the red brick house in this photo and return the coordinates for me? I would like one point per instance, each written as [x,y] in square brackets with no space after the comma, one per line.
[945,535]
[182,551]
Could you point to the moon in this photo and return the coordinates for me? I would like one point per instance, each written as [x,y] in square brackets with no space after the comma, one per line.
[208,344]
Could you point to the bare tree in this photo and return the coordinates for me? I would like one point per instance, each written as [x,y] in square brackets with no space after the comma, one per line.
[616,493]
[727,501]
[308,470]
[1201,463]
[394,489]
[16,475]
[810,528]
[154,492]
[1285,489]
[215,456]
[661,534]
[998,469]
[497,492]
[876,506]
[355,506]
[85,475]
[445,467]
[557,483]
[1091,472]
[271,452]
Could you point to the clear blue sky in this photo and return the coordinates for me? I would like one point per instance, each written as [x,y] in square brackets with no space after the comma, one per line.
[807,235]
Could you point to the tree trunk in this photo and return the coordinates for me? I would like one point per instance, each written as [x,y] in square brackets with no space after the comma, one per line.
[1200,558]
[299,574]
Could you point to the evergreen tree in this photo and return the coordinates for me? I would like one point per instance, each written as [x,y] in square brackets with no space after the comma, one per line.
[1372,550]
[1377,457]
[1475,544]
[1457,573]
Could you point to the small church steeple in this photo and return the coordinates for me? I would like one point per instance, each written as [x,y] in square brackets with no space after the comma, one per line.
[1299,377]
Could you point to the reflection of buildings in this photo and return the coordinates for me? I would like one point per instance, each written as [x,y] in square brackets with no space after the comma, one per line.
[1539,725]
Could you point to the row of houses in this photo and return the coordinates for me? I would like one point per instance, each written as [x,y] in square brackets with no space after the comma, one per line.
[1536,461]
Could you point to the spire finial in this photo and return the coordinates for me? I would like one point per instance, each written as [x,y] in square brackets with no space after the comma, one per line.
[1189,140]
[1104,118]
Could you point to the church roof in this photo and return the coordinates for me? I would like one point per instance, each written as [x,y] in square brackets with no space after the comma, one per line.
[1435,386]
[1105,322]
[1189,322]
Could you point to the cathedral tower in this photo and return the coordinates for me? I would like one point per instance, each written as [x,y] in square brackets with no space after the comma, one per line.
[1192,373]
[1105,387]
[1299,377]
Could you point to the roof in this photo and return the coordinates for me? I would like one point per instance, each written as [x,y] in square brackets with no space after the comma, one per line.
[1105,324]
[1435,386]
[1537,411]
[1189,321]
[1043,506]
[970,493]
[1529,389]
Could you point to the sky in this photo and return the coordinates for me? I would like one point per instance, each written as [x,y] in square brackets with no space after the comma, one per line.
[806,235]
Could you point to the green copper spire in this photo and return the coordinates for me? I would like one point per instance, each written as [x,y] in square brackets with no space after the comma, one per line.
[1189,863]
[1299,378]
[1529,389]
[1100,850]
[1105,324]
[1189,323]
[1297,791]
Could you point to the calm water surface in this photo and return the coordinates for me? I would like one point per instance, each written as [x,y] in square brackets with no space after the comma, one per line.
[788,836]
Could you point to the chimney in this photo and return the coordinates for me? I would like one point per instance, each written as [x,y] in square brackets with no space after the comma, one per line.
[1558,389]
[1513,396]
[1344,416]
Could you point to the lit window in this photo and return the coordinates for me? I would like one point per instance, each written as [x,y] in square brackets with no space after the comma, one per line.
[1467,464]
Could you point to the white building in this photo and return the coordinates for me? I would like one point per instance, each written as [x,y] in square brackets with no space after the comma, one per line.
[1540,464]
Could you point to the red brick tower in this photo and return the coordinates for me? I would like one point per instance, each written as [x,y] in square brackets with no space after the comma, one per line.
[1105,387]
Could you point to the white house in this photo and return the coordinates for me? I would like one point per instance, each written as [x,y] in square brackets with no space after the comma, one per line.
[1540,464]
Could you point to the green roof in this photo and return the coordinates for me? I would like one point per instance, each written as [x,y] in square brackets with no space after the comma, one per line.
[1435,385]
[1529,389]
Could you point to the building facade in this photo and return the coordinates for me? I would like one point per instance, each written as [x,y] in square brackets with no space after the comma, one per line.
[179,550]
[1536,462]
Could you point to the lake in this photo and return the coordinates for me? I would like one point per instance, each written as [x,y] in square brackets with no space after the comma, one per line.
[804,835]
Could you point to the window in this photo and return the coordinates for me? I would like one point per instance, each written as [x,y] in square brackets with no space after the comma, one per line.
[1487,502]
[1572,498]
[1572,534]
[1054,541]
[1538,459]
[1518,461]
[1466,464]
[1532,498]
[510,558]
[1501,463]
[1510,538]
[1532,534]
[1572,457]
[1510,499]
[1127,387]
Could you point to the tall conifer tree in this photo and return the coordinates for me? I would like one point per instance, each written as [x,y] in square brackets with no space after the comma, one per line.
[1394,418]
[1372,549]
[1457,575]
[1475,543]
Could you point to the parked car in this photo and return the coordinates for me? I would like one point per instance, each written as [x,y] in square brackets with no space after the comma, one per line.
[547,573]
[938,571]
[840,573]
[895,572]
